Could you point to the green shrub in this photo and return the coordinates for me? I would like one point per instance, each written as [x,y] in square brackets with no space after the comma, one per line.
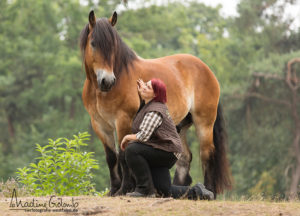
[62,168]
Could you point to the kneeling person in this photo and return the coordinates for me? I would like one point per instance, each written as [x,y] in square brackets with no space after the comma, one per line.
[155,146]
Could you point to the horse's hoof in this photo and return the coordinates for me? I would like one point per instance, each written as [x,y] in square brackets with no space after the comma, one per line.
[118,193]
[112,192]
[187,180]
[123,190]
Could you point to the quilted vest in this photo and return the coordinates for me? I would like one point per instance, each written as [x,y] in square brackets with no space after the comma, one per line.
[165,137]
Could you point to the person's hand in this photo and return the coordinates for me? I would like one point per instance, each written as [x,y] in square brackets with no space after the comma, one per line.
[141,84]
[124,143]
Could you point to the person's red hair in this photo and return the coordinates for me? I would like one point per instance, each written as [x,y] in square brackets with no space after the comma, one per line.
[160,90]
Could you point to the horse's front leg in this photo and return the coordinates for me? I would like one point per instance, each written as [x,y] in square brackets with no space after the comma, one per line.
[106,135]
[182,176]
[123,128]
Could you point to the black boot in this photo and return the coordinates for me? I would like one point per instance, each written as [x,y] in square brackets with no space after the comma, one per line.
[198,191]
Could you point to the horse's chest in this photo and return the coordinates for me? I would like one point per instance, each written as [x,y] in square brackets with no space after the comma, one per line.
[106,111]
[102,113]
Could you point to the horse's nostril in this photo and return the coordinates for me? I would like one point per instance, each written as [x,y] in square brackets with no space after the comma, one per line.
[106,84]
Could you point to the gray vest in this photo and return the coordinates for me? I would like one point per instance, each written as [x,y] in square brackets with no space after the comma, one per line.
[165,137]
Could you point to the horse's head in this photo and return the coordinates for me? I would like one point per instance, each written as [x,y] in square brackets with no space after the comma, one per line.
[99,44]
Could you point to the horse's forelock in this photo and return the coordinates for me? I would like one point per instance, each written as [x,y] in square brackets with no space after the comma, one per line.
[108,42]
[105,39]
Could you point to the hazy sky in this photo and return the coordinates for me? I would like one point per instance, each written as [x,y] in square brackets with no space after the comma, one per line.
[228,8]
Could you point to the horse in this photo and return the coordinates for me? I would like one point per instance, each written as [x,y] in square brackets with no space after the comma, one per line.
[111,98]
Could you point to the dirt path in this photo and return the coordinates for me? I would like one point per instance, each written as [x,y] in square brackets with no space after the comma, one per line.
[87,205]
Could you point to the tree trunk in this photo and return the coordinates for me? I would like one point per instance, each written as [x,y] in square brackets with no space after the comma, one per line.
[11,129]
[294,187]
[293,84]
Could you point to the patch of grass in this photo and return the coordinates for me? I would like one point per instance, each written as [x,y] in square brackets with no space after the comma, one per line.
[6,188]
[127,206]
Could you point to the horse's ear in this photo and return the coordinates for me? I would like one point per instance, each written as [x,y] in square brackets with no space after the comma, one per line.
[92,20]
[113,19]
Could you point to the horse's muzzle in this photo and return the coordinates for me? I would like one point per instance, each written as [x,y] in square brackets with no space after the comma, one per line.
[106,85]
[105,80]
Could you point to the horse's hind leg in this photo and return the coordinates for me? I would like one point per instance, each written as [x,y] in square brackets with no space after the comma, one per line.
[182,176]
[107,139]
[204,130]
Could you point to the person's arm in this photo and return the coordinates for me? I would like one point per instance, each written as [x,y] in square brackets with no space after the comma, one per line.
[150,122]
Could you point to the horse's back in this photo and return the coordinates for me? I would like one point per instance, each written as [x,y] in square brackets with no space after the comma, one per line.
[187,66]
[203,78]
[189,63]
[192,71]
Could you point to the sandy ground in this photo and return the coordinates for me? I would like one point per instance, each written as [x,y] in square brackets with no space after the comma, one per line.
[87,205]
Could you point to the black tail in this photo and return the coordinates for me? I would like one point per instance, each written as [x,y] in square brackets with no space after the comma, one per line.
[217,172]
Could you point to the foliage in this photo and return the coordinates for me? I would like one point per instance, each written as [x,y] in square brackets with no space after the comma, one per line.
[266,184]
[104,192]
[263,129]
[62,169]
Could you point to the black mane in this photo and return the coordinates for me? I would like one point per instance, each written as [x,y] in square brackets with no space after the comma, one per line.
[107,41]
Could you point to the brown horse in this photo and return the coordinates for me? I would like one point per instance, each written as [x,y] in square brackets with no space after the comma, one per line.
[111,98]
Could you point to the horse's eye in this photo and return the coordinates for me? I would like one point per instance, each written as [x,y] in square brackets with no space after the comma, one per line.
[93,43]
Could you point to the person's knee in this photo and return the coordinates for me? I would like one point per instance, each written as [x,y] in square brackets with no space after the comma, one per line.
[130,151]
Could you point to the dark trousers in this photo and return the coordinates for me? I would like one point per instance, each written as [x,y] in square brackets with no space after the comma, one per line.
[162,182]
[150,168]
